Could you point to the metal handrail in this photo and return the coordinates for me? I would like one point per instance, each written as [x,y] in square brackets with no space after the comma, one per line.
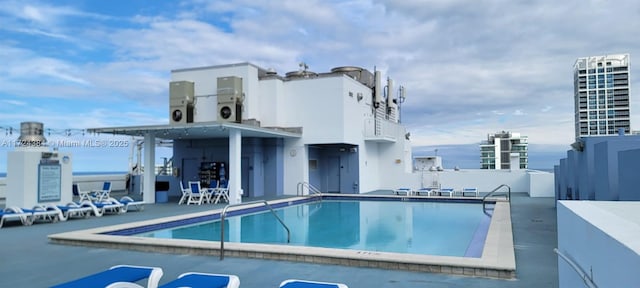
[224,213]
[484,210]
[588,280]
[312,189]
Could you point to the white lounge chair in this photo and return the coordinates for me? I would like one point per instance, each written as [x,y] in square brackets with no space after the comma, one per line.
[44,213]
[130,204]
[295,283]
[429,191]
[406,191]
[118,276]
[451,191]
[470,190]
[74,210]
[15,213]
[196,280]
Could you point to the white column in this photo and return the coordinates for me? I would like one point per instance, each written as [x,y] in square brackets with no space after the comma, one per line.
[235,151]
[149,176]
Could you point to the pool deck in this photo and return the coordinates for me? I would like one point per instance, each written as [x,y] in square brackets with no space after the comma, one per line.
[30,260]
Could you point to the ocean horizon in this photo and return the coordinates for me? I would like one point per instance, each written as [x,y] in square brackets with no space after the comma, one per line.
[83,173]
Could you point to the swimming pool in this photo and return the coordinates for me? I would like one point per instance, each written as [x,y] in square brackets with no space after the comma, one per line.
[497,258]
[432,228]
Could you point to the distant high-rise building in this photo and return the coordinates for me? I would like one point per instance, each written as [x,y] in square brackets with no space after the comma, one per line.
[601,87]
[504,150]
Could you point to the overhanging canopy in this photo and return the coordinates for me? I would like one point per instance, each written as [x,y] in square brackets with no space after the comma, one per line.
[201,130]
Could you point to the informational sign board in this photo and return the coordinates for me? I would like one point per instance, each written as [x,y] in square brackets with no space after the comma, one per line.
[49,181]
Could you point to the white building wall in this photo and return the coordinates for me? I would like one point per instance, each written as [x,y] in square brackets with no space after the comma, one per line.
[316,105]
[602,239]
[296,165]
[271,103]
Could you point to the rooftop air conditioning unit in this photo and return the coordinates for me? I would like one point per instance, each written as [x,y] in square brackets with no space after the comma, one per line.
[230,98]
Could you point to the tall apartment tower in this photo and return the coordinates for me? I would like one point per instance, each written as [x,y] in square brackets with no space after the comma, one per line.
[601,87]
[504,150]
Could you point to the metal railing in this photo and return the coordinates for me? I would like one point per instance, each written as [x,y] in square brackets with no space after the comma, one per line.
[224,213]
[312,189]
[588,280]
[484,202]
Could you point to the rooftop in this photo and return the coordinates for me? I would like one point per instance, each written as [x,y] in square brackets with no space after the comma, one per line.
[26,250]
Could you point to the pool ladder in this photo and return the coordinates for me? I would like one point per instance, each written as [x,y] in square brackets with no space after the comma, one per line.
[312,189]
[484,199]
[223,214]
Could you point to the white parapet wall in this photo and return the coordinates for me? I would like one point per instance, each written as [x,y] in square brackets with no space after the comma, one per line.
[85,182]
[601,238]
[535,183]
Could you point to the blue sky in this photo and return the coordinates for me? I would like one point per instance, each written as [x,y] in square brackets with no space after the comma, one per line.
[470,67]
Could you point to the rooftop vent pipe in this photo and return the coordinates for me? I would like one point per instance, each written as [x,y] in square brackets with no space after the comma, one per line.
[31,134]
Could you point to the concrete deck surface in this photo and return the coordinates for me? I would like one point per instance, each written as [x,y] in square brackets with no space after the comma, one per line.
[29,260]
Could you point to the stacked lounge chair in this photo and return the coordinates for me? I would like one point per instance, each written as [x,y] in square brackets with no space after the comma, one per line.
[131,276]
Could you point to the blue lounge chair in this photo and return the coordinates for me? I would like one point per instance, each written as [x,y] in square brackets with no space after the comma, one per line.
[118,276]
[470,190]
[15,213]
[130,204]
[451,191]
[74,210]
[196,280]
[294,283]
[407,191]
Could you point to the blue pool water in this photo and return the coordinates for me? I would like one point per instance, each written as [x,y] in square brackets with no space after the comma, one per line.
[433,228]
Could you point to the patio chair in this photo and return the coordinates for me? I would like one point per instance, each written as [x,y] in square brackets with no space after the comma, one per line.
[294,283]
[118,276]
[221,192]
[82,195]
[196,193]
[102,194]
[185,194]
[195,280]
[15,213]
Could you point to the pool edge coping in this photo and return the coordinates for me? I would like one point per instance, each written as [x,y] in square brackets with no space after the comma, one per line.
[497,260]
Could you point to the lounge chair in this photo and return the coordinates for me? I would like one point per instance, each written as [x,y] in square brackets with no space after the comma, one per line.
[130,204]
[118,276]
[74,210]
[451,191]
[110,205]
[294,283]
[44,213]
[195,280]
[407,191]
[15,213]
[427,191]
[470,190]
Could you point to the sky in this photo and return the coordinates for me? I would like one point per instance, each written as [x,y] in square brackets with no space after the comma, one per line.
[470,68]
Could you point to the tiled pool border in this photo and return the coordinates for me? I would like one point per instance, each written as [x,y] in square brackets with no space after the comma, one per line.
[497,260]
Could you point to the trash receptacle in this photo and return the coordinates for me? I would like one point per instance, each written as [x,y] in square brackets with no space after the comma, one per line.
[162,191]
